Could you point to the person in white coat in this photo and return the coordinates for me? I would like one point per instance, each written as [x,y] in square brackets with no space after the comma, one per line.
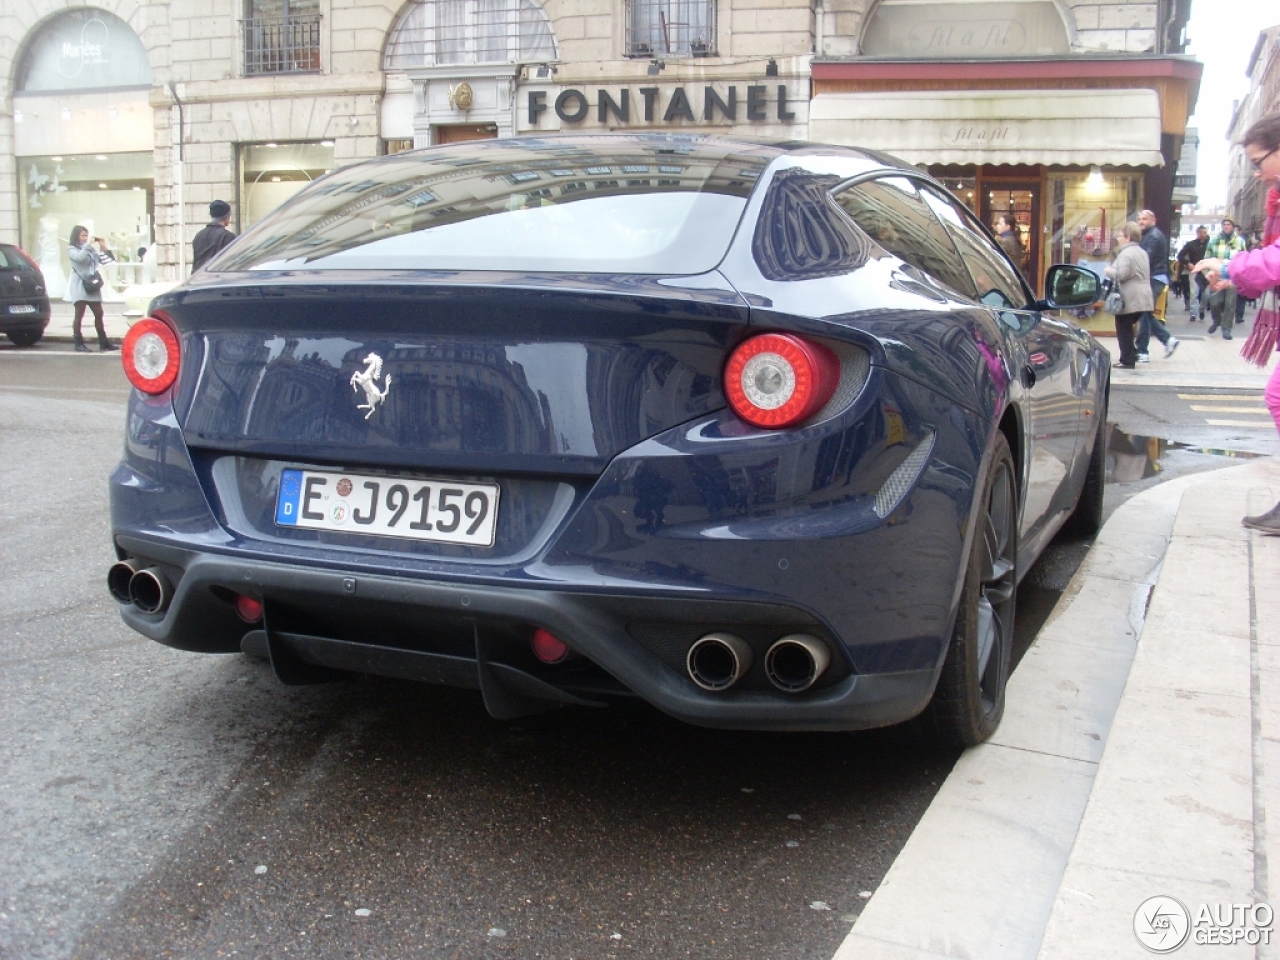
[85,257]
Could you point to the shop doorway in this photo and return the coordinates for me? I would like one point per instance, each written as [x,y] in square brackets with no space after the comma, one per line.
[461,132]
[1019,203]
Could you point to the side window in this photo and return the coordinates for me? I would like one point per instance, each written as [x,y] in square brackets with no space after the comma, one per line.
[890,211]
[998,285]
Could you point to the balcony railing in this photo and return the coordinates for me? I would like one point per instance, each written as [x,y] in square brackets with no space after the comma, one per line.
[281,45]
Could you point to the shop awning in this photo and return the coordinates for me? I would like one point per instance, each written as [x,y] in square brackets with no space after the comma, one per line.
[1055,127]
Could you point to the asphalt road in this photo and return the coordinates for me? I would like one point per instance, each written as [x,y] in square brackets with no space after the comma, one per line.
[158,803]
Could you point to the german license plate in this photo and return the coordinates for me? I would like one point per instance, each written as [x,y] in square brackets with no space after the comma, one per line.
[438,510]
[21,308]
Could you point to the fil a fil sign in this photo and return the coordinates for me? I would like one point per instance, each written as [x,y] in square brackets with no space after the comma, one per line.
[665,106]
[980,134]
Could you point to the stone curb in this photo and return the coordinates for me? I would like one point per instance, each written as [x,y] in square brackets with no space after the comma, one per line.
[980,876]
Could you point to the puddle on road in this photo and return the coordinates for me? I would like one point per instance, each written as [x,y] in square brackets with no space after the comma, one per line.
[1134,463]
[1131,457]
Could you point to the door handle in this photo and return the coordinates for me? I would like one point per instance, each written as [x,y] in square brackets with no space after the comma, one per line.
[1028,376]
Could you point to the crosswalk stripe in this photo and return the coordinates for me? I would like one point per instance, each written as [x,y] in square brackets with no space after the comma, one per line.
[1219,396]
[1240,423]
[1218,408]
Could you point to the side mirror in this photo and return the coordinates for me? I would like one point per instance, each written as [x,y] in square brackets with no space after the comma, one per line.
[1068,286]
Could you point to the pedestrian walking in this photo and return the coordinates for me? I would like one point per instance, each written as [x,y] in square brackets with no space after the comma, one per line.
[1131,270]
[1192,252]
[1222,302]
[1009,240]
[214,238]
[1256,273]
[84,286]
[1156,245]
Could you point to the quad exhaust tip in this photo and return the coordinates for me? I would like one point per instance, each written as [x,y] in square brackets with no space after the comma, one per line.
[719,660]
[150,591]
[118,578]
[794,663]
[147,589]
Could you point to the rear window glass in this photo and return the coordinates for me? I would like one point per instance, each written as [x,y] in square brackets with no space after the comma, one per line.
[11,260]
[512,205]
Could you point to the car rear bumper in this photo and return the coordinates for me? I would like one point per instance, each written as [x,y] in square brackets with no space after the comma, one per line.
[24,322]
[323,624]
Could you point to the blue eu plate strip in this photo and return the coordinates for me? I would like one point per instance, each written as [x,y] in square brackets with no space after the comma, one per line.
[290,498]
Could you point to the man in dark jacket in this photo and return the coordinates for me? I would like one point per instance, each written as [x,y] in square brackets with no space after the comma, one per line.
[1156,244]
[1192,252]
[214,237]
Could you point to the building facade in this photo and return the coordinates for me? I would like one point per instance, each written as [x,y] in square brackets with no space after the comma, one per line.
[1246,195]
[130,116]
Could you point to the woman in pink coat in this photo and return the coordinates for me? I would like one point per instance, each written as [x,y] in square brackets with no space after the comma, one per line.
[1254,272]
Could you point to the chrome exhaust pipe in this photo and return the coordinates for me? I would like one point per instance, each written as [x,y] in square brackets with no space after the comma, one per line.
[118,578]
[718,661]
[794,663]
[150,590]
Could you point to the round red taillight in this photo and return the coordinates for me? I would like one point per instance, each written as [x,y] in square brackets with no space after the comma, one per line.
[547,647]
[151,355]
[778,379]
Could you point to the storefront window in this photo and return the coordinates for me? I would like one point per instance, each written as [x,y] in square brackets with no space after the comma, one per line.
[964,187]
[109,194]
[1086,209]
[271,173]
[1012,193]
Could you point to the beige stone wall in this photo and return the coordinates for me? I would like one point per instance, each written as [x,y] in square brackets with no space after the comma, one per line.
[767,28]
[220,116]
[1114,27]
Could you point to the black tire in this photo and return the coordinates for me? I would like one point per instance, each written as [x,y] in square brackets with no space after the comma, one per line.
[969,700]
[24,338]
[1086,518]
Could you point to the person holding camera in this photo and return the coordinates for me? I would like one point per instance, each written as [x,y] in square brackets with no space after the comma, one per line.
[84,287]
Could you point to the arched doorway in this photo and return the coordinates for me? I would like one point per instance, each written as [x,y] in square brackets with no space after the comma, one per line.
[84,138]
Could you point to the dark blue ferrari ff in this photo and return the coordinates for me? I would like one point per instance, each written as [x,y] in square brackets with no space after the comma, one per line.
[765,434]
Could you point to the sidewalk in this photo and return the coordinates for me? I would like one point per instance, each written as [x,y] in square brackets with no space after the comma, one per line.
[1139,754]
[60,317]
[1200,360]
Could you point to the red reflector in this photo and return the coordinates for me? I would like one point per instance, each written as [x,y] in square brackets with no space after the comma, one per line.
[150,354]
[778,379]
[547,647]
[249,608]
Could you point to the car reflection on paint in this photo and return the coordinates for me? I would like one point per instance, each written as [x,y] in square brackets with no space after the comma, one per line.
[748,430]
